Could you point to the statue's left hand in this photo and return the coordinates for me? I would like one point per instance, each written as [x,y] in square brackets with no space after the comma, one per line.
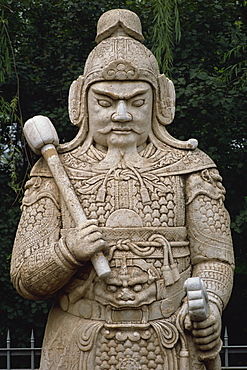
[207,333]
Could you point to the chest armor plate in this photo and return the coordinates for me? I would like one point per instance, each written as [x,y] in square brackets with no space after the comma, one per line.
[143,221]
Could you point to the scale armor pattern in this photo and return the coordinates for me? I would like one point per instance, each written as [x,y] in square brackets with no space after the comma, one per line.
[161,211]
[143,354]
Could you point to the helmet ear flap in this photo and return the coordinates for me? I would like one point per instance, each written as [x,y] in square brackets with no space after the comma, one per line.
[165,101]
[76,101]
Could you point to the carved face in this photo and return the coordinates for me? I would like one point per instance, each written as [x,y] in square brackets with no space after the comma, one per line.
[120,113]
[129,287]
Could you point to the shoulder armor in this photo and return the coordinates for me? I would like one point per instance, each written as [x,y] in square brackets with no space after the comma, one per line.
[40,169]
[39,187]
[206,182]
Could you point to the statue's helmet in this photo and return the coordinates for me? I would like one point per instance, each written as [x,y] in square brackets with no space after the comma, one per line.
[121,56]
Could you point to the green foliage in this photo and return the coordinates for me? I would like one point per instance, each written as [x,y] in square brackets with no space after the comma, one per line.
[236,72]
[240,223]
[201,43]
[211,102]
[5,65]
[166,24]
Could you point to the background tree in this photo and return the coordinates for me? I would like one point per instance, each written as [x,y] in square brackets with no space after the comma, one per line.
[200,44]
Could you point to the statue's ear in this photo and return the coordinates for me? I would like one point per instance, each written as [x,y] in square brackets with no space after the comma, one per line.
[76,101]
[165,100]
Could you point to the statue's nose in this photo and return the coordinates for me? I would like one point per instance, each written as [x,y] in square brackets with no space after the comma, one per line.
[121,114]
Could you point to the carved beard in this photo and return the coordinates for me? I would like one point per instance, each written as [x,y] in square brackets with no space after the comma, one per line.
[124,157]
[122,148]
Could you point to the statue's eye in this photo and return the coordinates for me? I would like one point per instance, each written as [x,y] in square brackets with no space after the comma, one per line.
[104,103]
[138,103]
[137,288]
[111,288]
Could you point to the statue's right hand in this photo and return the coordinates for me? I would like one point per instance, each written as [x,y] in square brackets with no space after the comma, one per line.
[85,241]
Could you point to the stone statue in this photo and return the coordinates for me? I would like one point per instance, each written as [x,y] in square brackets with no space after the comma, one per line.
[154,207]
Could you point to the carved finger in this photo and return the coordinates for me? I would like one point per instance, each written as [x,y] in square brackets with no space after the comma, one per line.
[88,223]
[90,249]
[209,346]
[96,235]
[205,323]
[206,340]
[199,333]
[88,230]
[99,245]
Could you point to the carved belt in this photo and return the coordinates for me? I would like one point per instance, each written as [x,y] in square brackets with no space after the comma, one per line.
[146,242]
[125,317]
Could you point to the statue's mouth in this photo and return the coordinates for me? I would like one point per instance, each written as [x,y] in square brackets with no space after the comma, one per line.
[122,131]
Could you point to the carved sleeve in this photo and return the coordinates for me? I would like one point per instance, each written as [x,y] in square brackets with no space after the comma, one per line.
[209,233]
[41,263]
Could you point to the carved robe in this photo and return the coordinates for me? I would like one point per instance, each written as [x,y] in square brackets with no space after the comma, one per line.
[164,222]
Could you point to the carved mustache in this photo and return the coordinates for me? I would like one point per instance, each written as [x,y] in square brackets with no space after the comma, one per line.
[108,129]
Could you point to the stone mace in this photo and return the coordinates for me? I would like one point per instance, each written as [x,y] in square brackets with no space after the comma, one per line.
[198,307]
[43,139]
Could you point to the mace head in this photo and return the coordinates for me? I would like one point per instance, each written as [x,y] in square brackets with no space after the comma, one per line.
[39,131]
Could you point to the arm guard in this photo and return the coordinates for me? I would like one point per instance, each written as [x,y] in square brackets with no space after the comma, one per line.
[41,263]
[218,279]
[209,233]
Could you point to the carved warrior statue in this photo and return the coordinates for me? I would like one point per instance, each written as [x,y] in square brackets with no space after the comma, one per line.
[154,207]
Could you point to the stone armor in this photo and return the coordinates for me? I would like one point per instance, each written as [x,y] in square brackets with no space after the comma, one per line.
[160,207]
[133,320]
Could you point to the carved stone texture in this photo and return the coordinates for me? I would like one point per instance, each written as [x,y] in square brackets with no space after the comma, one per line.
[154,206]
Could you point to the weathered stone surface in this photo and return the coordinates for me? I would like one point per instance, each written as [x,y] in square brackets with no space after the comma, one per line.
[154,206]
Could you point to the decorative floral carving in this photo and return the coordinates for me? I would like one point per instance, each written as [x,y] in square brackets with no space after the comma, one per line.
[120,70]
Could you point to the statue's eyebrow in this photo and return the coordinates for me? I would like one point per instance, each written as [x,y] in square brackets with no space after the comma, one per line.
[112,95]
